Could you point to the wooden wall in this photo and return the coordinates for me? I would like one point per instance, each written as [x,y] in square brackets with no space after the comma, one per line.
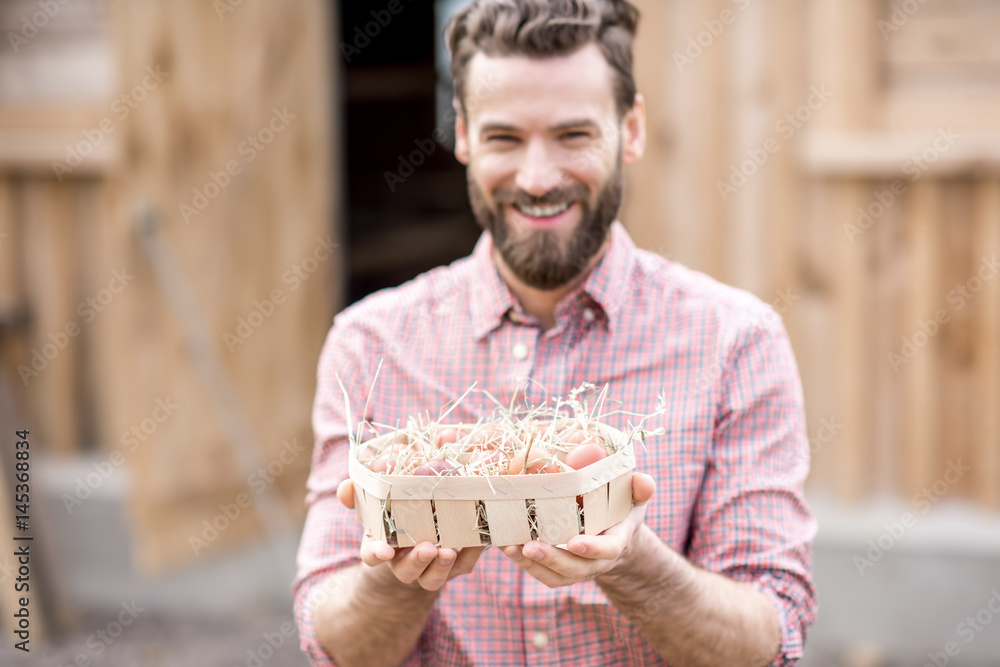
[221,77]
[896,85]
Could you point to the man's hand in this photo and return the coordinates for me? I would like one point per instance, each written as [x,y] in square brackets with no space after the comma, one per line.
[425,564]
[588,556]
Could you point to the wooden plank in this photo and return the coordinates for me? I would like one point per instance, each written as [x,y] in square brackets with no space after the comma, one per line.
[891,154]
[414,520]
[845,48]
[784,200]
[962,47]
[646,210]
[10,289]
[595,511]
[50,270]
[556,518]
[886,286]
[953,343]
[920,373]
[852,370]
[371,510]
[456,521]
[35,150]
[508,521]
[921,109]
[619,498]
[986,349]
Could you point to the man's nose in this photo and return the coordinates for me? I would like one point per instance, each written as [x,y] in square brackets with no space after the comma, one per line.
[538,173]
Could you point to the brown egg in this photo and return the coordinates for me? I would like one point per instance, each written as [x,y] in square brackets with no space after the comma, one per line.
[582,456]
[538,462]
[446,436]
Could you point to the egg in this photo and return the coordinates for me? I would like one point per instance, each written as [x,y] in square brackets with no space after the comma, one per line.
[538,462]
[582,456]
[383,464]
[379,464]
[447,436]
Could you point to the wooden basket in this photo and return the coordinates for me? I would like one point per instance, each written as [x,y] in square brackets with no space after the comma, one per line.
[452,512]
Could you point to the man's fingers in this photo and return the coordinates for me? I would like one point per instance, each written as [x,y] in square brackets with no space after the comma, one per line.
[436,574]
[345,493]
[643,487]
[600,547]
[375,552]
[414,562]
[537,558]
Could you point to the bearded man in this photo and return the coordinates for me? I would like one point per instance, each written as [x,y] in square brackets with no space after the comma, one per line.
[712,566]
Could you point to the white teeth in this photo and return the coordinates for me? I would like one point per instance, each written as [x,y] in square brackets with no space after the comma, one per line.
[543,211]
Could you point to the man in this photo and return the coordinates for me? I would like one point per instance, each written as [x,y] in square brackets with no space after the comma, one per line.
[712,565]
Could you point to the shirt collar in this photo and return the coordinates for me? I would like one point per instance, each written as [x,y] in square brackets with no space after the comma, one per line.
[491,298]
[606,284]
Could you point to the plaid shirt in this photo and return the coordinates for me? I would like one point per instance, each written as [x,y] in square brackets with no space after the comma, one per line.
[729,469]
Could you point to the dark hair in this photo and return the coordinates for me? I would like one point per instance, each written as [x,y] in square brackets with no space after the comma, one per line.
[546,28]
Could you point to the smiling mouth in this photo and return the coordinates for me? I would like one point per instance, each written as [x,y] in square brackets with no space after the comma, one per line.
[543,212]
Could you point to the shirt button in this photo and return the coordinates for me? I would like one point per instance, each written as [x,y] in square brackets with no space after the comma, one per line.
[520,351]
[588,315]
[540,640]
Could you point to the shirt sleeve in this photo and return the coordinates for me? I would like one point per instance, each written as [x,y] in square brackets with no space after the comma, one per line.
[331,537]
[751,522]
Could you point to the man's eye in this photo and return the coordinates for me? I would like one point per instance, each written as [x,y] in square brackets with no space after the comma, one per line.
[575,135]
[502,138]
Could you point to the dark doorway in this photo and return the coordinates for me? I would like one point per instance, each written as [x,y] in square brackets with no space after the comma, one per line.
[405,197]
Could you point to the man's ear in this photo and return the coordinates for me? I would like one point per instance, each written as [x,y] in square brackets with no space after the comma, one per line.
[634,131]
[461,133]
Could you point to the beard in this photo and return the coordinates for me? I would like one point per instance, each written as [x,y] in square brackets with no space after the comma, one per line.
[538,257]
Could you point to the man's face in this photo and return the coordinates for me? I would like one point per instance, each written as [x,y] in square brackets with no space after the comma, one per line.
[544,147]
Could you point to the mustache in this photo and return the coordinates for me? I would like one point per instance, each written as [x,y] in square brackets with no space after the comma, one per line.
[559,195]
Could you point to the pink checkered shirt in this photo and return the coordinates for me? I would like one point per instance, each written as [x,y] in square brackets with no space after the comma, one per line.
[729,470]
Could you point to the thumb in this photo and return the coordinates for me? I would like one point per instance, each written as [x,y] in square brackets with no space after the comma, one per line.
[345,493]
[643,487]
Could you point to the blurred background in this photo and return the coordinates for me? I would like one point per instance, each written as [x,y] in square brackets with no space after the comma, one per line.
[189,190]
